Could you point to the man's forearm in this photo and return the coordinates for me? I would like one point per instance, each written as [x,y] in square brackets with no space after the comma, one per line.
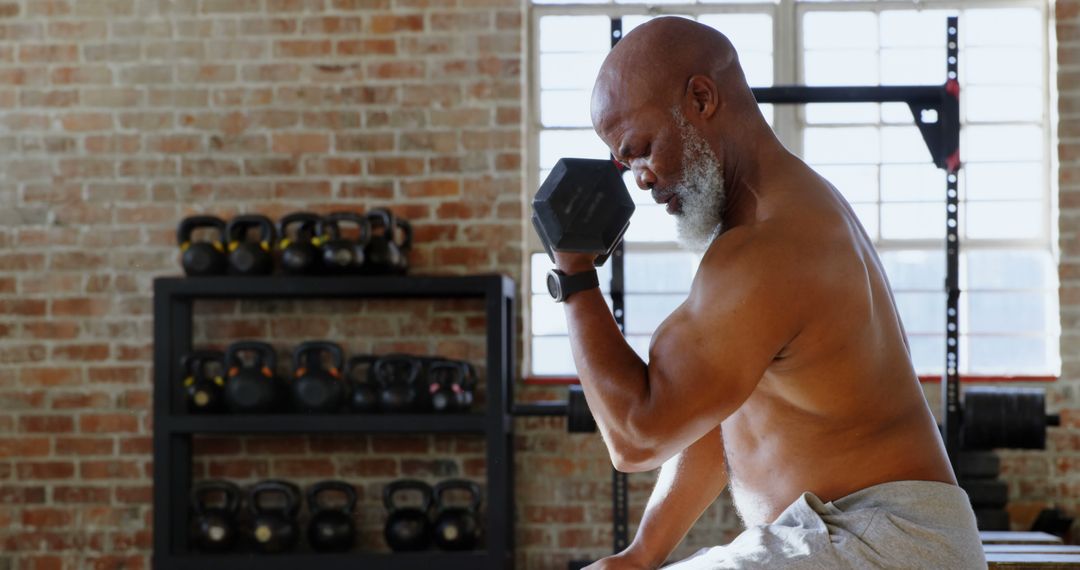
[688,484]
[613,376]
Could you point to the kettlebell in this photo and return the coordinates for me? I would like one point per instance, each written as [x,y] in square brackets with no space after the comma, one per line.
[205,393]
[299,248]
[202,258]
[384,254]
[340,254]
[248,257]
[396,376]
[365,398]
[316,389]
[468,387]
[407,528]
[445,379]
[274,529]
[456,527]
[252,388]
[213,528]
[331,529]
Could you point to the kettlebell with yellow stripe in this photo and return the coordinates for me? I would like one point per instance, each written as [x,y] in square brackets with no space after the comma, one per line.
[204,383]
[248,256]
[299,243]
[203,257]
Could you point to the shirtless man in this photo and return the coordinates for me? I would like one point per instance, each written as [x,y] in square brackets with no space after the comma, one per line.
[786,372]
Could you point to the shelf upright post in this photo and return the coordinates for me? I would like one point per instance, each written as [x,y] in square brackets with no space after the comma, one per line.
[172,451]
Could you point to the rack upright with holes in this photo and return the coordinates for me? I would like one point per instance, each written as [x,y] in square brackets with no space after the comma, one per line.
[174,429]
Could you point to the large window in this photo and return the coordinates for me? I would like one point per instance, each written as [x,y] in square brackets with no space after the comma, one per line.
[871,152]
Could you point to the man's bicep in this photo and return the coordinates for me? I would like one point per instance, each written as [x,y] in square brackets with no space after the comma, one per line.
[708,357]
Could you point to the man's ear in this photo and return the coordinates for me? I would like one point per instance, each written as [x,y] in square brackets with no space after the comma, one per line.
[703,95]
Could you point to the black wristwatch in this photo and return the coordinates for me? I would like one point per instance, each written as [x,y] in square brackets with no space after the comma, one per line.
[561,285]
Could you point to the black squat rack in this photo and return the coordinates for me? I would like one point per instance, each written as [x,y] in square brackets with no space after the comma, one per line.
[936,112]
[173,428]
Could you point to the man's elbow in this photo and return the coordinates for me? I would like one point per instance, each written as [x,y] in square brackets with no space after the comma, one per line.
[634,460]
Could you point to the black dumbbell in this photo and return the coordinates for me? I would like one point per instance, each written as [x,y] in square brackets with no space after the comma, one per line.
[247,257]
[331,529]
[397,376]
[298,243]
[317,388]
[456,527]
[407,528]
[341,254]
[255,387]
[202,258]
[583,206]
[365,394]
[204,385]
[213,528]
[274,528]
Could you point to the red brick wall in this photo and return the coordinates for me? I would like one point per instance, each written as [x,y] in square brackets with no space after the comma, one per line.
[118,117]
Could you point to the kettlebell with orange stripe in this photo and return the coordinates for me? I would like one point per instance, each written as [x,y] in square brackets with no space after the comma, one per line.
[251,385]
[318,386]
[202,258]
[248,256]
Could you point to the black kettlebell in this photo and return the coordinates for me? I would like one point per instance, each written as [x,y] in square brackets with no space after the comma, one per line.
[468,387]
[274,529]
[365,397]
[396,376]
[384,254]
[248,257]
[213,528]
[315,388]
[445,379]
[300,247]
[407,528]
[202,258]
[340,254]
[252,388]
[204,385]
[457,527]
[331,529]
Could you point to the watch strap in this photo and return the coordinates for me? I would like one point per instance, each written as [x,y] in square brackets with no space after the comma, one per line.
[582,281]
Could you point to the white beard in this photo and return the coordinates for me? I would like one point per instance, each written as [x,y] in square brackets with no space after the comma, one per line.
[700,191]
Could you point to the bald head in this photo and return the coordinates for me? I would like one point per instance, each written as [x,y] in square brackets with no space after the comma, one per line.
[654,63]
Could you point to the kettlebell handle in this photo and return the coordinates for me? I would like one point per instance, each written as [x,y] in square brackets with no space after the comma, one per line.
[265,357]
[470,378]
[309,223]
[324,486]
[228,489]
[194,363]
[303,356]
[463,484]
[456,373]
[189,224]
[332,226]
[394,487]
[238,226]
[358,361]
[287,490]
[406,231]
[381,219]
[384,378]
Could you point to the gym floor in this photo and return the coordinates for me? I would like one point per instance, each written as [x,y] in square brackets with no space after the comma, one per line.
[120,118]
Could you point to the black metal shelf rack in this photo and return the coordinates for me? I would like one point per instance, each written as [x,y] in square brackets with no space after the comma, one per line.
[173,428]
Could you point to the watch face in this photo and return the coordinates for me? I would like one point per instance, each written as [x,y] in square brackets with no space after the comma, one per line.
[553,285]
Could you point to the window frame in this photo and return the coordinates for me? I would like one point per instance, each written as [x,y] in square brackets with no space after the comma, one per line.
[789,123]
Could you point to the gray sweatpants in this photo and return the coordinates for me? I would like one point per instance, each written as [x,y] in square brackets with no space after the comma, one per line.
[902,524]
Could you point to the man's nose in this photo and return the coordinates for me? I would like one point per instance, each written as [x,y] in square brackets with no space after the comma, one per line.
[644,177]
